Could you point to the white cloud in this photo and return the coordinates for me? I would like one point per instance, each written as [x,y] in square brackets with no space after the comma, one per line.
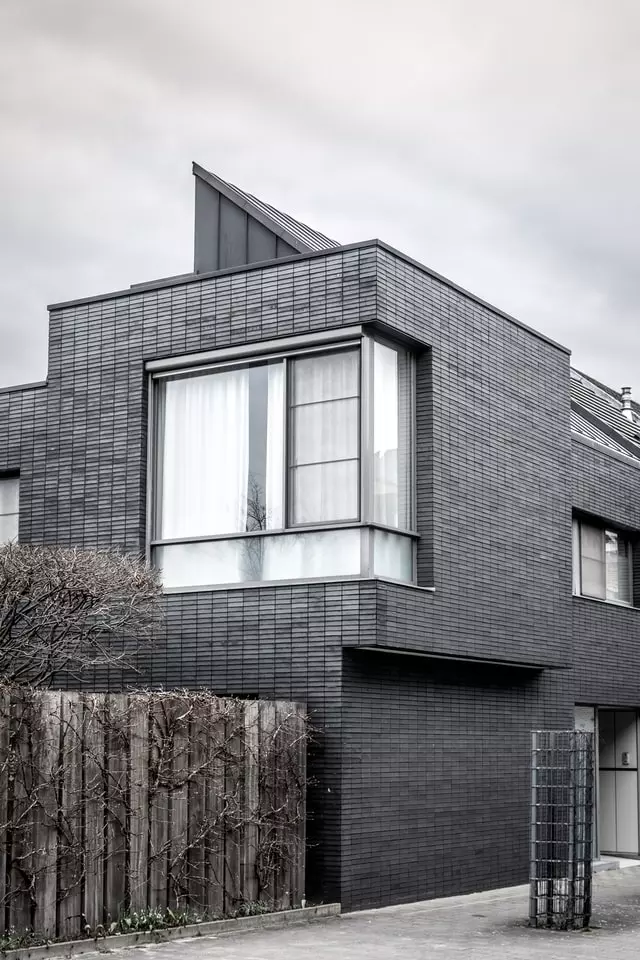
[497,143]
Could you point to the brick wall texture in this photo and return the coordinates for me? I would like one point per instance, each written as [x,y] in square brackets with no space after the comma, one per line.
[420,761]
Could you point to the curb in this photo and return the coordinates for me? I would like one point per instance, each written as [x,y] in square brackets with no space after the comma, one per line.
[212,928]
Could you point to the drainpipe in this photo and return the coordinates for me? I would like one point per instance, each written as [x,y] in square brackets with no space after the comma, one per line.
[626,403]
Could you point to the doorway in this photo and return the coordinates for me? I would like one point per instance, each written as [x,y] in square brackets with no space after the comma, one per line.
[618,782]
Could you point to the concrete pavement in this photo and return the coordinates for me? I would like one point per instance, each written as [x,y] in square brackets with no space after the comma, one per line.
[487,926]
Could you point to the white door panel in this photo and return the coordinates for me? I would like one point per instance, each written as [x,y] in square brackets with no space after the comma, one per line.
[607,811]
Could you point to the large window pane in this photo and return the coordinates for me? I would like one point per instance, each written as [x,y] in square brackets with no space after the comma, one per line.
[617,567]
[392,555]
[9,487]
[391,436]
[222,438]
[333,553]
[324,446]
[325,491]
[9,493]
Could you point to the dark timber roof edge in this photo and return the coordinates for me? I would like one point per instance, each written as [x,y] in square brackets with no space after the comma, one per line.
[20,387]
[270,217]
[344,248]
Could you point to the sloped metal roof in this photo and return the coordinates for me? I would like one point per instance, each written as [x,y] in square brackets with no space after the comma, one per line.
[591,432]
[597,414]
[301,237]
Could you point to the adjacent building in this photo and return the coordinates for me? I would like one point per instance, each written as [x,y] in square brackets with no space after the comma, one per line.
[368,490]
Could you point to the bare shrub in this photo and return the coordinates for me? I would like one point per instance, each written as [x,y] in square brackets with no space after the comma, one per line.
[65,610]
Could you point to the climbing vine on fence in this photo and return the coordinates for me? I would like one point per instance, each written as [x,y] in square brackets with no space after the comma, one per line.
[117,802]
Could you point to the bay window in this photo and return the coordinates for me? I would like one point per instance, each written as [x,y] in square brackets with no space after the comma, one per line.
[602,563]
[291,466]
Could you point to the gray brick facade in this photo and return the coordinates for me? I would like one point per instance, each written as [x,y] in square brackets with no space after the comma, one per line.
[421,760]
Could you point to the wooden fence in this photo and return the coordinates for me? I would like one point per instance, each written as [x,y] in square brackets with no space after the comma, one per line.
[115,803]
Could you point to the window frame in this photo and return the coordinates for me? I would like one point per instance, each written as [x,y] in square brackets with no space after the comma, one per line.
[289,466]
[294,347]
[578,521]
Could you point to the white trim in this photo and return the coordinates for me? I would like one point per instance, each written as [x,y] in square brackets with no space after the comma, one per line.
[257,350]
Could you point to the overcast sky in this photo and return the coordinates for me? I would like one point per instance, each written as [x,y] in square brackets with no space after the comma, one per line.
[497,142]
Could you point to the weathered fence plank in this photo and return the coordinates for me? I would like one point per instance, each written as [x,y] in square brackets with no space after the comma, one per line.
[5,759]
[179,822]
[267,800]
[197,826]
[70,858]
[94,808]
[234,808]
[48,769]
[139,801]
[298,800]
[248,874]
[219,730]
[114,802]
[20,918]
[117,748]
[159,806]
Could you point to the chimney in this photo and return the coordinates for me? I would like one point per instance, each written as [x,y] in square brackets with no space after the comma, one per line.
[626,403]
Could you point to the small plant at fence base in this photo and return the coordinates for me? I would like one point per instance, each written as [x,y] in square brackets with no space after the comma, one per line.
[149,807]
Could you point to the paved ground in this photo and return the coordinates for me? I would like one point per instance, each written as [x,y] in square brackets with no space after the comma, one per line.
[481,927]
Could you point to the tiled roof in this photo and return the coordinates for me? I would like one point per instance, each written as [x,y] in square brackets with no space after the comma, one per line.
[596,413]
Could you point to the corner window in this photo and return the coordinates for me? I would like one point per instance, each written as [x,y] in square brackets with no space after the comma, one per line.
[9,499]
[294,466]
[602,563]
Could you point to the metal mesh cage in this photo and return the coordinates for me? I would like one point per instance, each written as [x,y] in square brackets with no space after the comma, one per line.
[562,788]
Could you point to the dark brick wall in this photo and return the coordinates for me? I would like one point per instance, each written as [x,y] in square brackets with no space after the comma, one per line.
[493,514]
[606,637]
[493,462]
[436,774]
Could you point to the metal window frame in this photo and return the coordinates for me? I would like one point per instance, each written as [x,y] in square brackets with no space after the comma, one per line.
[286,350]
[577,578]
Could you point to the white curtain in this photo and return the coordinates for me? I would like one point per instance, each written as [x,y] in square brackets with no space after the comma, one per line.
[205,455]
[325,377]
[385,435]
[275,447]
[592,561]
[325,438]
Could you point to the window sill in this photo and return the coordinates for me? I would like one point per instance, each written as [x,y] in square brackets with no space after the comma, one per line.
[270,584]
[606,603]
[288,531]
